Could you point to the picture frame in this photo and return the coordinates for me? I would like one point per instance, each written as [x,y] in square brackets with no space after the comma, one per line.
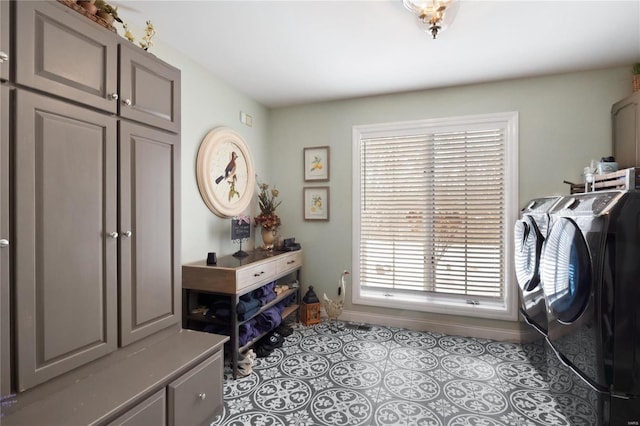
[316,203]
[225,172]
[316,164]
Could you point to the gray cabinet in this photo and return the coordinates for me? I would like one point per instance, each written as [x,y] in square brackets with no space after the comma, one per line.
[625,120]
[96,194]
[196,397]
[65,232]
[63,53]
[90,210]
[150,282]
[174,377]
[149,89]
[4,40]
[5,243]
[150,412]
[5,239]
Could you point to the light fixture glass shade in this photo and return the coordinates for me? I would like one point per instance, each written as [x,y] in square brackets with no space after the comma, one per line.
[426,6]
[430,12]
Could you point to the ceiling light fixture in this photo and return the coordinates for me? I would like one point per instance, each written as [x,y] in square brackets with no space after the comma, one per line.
[431,13]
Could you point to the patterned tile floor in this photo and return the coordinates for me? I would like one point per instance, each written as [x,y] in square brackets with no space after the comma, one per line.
[390,376]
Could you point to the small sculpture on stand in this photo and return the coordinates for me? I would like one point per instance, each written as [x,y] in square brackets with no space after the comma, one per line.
[240,230]
[334,307]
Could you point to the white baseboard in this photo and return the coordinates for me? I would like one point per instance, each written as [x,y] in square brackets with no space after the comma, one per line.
[453,329]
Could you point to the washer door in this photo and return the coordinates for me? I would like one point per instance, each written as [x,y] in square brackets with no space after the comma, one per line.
[528,250]
[566,271]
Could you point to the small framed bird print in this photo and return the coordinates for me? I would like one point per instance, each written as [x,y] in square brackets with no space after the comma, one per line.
[316,203]
[316,164]
[225,172]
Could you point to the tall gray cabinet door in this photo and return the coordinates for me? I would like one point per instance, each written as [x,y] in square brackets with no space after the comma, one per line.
[150,280]
[62,52]
[5,246]
[149,89]
[65,237]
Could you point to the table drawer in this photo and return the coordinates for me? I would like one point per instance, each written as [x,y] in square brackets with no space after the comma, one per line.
[196,397]
[252,275]
[289,262]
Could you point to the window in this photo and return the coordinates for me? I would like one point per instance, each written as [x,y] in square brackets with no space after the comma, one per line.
[433,211]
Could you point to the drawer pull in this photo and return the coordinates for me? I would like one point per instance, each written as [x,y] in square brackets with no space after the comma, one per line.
[202,396]
[291,262]
[257,275]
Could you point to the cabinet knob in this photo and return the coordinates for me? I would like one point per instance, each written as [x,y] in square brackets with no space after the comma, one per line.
[3,57]
[4,243]
[257,275]
[114,96]
[202,396]
[291,262]
[113,235]
[127,102]
[127,233]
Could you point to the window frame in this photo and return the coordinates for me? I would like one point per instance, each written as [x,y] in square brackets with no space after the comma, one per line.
[504,308]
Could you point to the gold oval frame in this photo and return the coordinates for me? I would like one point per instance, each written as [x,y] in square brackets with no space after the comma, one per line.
[226,193]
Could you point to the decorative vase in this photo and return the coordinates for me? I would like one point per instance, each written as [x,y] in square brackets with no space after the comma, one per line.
[268,238]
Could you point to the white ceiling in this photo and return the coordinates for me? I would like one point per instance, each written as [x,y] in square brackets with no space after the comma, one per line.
[291,52]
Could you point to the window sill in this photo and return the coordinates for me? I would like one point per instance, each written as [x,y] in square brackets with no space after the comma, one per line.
[495,309]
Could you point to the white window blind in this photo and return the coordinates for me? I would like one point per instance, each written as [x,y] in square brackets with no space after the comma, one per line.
[433,209]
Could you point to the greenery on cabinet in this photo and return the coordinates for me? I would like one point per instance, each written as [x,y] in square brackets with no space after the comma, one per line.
[107,12]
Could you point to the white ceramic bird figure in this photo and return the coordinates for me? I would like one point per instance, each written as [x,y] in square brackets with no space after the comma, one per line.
[334,307]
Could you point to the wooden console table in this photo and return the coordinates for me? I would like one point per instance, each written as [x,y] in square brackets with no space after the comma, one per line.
[233,277]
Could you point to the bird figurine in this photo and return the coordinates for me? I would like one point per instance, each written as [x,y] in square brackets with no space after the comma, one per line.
[334,307]
[230,170]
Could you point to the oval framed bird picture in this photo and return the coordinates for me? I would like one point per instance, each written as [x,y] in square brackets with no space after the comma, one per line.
[225,172]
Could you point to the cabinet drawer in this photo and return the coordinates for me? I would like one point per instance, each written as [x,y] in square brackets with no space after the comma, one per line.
[260,273]
[289,262]
[150,412]
[196,397]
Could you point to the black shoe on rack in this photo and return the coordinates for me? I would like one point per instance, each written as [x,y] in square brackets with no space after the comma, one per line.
[285,330]
[272,340]
[261,351]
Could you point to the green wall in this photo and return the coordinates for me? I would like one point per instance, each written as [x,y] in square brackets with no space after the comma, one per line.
[564,123]
[208,102]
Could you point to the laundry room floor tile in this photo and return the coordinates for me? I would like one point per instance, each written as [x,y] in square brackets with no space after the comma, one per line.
[377,376]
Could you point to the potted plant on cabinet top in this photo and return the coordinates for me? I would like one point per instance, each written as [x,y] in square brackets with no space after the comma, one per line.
[107,12]
[89,6]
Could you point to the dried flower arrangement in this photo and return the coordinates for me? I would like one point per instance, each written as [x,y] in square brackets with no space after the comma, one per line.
[267,219]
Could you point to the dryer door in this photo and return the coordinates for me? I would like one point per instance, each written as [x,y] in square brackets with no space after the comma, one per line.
[566,271]
[528,250]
